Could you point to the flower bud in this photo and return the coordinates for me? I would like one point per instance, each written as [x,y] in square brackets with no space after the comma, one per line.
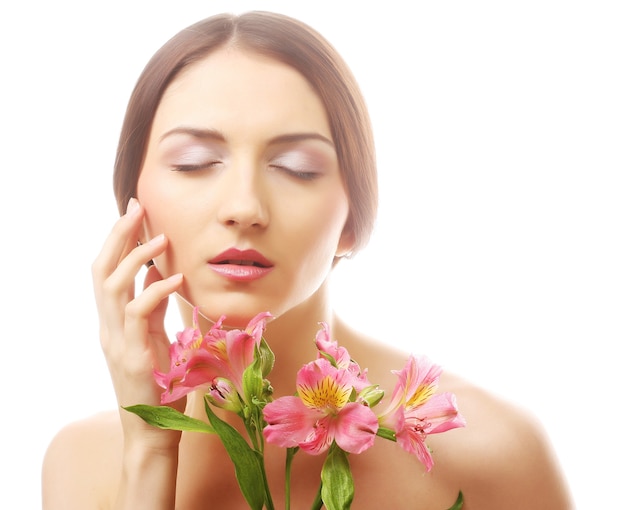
[223,394]
[371,395]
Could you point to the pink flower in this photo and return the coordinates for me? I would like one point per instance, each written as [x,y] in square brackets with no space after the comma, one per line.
[234,349]
[195,361]
[416,412]
[342,360]
[321,413]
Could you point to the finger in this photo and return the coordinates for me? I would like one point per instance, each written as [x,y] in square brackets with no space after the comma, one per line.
[128,341]
[156,323]
[140,317]
[157,317]
[120,242]
[123,277]
[145,351]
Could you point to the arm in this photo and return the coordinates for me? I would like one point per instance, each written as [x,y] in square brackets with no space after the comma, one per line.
[147,479]
[87,467]
[134,342]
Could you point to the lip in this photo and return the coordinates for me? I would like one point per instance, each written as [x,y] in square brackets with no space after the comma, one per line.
[241,265]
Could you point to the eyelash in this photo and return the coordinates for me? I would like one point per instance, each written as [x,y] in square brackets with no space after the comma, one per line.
[305,176]
[194,168]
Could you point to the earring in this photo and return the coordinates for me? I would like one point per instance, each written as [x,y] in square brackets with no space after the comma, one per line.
[150,262]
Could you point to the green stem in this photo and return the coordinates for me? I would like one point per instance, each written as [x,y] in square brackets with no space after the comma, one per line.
[251,429]
[386,434]
[256,437]
[269,504]
[317,504]
[291,452]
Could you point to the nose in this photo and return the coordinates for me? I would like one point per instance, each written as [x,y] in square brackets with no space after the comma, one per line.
[243,199]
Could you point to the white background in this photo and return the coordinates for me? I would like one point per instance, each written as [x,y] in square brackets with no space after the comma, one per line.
[500,246]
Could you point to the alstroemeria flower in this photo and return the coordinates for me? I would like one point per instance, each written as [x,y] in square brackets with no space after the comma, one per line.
[342,358]
[234,348]
[416,411]
[322,412]
[195,361]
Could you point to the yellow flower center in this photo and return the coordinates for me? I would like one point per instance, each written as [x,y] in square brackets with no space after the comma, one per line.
[421,395]
[196,343]
[327,394]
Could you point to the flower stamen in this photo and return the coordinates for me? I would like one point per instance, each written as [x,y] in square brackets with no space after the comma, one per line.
[327,394]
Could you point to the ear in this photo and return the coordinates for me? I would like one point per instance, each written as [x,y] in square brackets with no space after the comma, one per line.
[346,243]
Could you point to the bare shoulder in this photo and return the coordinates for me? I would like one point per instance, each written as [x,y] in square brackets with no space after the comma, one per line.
[81,463]
[503,456]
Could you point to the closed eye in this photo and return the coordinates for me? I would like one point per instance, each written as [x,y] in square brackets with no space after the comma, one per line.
[298,174]
[195,168]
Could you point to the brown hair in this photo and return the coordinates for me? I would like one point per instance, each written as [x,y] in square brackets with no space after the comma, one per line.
[288,41]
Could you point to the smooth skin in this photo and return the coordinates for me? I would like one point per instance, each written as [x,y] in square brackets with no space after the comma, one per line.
[240,155]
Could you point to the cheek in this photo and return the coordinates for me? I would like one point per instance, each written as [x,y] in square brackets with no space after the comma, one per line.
[149,195]
[163,203]
[319,228]
[164,215]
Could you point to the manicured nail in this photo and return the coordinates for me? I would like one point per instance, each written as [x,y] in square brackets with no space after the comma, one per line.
[157,239]
[175,277]
[133,206]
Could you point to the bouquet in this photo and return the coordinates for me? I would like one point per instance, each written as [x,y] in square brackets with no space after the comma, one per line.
[331,413]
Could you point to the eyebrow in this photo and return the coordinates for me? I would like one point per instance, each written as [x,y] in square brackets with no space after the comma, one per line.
[214,134]
[297,137]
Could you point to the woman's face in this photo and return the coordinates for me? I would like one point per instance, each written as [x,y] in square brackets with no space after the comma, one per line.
[242,177]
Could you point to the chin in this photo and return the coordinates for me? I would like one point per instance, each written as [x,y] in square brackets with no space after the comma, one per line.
[236,315]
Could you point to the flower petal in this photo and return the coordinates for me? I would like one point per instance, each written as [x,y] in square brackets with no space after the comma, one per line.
[413,442]
[289,421]
[441,413]
[320,437]
[355,428]
[342,358]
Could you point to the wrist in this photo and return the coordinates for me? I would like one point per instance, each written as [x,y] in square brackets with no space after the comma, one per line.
[148,477]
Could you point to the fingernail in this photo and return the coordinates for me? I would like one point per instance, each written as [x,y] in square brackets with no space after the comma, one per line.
[175,277]
[157,239]
[133,206]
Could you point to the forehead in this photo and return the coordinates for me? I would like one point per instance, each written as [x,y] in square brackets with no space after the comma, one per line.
[237,89]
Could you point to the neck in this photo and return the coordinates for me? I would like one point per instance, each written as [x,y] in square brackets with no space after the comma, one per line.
[292,339]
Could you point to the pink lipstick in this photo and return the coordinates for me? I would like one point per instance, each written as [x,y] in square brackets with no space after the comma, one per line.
[241,265]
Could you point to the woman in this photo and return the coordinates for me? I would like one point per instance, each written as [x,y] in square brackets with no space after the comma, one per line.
[245,172]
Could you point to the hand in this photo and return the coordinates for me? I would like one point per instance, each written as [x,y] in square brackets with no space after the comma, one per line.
[132,332]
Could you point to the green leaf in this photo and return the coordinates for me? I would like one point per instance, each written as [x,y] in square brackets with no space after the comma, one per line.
[248,467]
[337,483]
[166,417]
[458,504]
